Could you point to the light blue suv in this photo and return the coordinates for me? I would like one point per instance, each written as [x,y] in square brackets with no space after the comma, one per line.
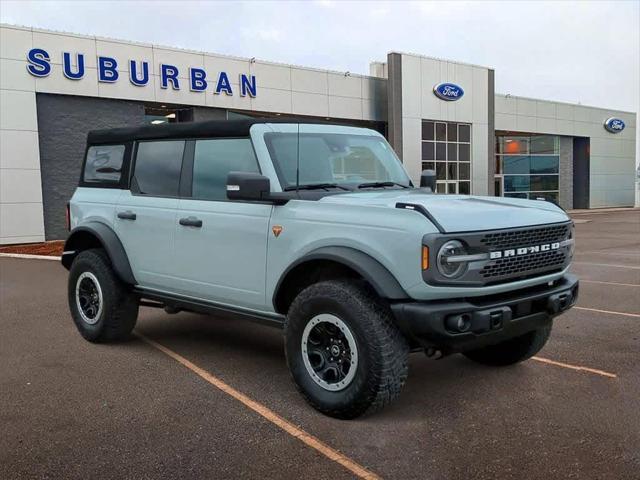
[317,229]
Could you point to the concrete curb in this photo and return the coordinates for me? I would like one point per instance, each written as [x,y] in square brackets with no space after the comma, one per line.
[27,256]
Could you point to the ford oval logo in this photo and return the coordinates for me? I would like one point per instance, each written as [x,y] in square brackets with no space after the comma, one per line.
[448,91]
[614,125]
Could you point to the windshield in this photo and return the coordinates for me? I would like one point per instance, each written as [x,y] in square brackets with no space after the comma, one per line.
[334,159]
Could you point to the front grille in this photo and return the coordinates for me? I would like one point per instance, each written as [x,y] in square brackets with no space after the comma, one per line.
[523,238]
[525,252]
[523,265]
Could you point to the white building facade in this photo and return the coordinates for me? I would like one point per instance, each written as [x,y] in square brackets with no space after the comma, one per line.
[437,114]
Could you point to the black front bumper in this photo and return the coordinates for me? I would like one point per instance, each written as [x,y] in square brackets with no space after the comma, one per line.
[488,320]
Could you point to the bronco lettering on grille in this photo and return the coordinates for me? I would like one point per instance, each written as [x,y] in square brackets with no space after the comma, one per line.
[513,252]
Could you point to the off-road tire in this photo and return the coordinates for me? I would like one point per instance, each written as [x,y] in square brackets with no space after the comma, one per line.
[382,366]
[119,306]
[512,351]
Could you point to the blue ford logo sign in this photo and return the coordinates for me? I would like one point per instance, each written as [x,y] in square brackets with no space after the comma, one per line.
[614,125]
[448,91]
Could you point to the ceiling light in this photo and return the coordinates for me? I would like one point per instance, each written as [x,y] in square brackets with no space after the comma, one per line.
[157,122]
[171,115]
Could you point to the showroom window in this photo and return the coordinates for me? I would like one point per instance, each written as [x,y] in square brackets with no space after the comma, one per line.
[446,148]
[528,166]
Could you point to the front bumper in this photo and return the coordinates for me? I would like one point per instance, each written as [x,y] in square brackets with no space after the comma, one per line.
[489,320]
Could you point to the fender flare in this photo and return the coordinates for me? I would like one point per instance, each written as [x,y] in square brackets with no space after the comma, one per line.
[109,241]
[376,274]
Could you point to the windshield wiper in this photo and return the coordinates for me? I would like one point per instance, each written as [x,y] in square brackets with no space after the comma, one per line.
[315,186]
[381,184]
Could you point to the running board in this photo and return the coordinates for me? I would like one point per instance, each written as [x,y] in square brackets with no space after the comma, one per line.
[188,304]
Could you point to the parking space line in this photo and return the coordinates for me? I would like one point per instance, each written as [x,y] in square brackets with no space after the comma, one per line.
[575,367]
[306,438]
[635,315]
[610,283]
[606,265]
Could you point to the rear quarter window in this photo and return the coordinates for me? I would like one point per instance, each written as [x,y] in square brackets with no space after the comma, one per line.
[104,164]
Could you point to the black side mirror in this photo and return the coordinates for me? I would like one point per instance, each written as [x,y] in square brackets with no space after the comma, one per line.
[428,179]
[248,186]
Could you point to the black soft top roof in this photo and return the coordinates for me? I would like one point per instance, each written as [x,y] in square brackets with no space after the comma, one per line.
[211,128]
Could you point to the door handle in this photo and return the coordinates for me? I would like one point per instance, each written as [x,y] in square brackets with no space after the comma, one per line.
[191,222]
[128,215]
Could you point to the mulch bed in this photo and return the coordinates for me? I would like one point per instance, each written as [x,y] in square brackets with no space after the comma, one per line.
[53,249]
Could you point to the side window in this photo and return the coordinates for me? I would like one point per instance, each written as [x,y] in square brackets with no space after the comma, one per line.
[157,168]
[214,159]
[104,164]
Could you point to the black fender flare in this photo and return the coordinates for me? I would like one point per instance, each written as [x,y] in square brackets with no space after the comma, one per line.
[376,274]
[109,241]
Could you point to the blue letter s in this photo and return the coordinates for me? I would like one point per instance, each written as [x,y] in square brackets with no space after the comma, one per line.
[39,65]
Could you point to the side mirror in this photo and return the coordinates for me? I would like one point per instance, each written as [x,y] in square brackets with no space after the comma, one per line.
[428,179]
[248,186]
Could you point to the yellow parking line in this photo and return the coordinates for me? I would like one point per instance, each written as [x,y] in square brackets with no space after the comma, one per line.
[306,438]
[610,283]
[635,315]
[575,367]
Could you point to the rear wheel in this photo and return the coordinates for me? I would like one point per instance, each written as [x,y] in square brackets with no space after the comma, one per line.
[514,350]
[102,307]
[344,352]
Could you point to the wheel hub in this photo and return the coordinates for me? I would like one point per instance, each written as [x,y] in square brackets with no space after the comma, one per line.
[89,298]
[329,352]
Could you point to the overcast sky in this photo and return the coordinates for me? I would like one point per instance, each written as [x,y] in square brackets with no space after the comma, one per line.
[587,52]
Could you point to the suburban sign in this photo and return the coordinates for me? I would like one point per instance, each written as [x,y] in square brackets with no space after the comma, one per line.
[448,91]
[73,68]
[614,125]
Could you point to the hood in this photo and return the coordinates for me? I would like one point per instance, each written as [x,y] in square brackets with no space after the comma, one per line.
[462,213]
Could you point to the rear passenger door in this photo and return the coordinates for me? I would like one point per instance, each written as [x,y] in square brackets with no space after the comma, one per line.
[145,217]
[221,245]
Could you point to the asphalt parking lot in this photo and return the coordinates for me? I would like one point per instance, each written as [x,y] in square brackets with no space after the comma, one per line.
[71,409]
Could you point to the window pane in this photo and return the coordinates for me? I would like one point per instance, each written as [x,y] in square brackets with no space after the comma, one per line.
[452,171]
[451,188]
[464,171]
[452,152]
[514,145]
[428,165]
[545,144]
[441,187]
[498,164]
[427,131]
[515,164]
[544,182]
[464,153]
[516,195]
[428,151]
[545,164]
[452,132]
[158,165]
[214,159]
[104,164]
[441,131]
[464,188]
[464,133]
[441,151]
[441,170]
[515,183]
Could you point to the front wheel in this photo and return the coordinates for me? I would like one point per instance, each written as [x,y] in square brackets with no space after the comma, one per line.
[345,353]
[512,351]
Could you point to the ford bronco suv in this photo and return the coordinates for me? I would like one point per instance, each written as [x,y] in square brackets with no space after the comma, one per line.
[317,229]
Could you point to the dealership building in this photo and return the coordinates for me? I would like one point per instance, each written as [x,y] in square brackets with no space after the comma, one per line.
[437,114]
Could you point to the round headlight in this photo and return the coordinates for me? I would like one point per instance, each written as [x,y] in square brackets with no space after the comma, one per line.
[451,249]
